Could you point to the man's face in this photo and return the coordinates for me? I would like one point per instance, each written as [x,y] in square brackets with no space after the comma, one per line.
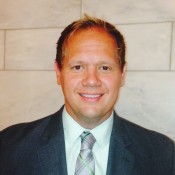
[90,77]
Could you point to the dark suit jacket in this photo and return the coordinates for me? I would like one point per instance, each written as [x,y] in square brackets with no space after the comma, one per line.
[38,148]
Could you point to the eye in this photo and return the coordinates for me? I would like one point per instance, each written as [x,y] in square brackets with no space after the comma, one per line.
[77,68]
[105,68]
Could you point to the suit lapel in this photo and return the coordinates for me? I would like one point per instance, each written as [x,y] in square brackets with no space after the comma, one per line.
[52,153]
[121,160]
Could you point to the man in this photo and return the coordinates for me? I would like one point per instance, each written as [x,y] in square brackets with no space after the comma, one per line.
[90,67]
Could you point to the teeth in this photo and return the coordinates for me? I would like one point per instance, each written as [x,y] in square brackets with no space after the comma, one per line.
[90,96]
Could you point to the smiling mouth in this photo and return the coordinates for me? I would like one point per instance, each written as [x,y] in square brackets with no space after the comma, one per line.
[91,97]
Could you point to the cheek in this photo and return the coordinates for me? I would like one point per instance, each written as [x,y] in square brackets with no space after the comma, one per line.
[112,83]
[70,83]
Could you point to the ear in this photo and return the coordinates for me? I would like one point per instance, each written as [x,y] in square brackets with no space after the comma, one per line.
[123,75]
[58,73]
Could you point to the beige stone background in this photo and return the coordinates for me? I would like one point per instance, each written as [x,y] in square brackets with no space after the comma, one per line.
[28,34]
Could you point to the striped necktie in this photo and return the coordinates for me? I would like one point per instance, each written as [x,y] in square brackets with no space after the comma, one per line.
[85,164]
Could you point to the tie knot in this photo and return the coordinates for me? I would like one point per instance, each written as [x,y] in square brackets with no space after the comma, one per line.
[87,140]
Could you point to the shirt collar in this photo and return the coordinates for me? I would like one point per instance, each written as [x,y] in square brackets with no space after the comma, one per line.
[102,132]
[72,130]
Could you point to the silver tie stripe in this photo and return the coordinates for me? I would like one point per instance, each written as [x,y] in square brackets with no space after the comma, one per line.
[85,164]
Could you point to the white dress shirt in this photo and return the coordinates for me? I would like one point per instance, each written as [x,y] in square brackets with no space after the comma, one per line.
[72,132]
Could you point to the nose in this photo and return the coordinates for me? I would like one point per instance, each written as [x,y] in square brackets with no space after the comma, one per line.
[91,78]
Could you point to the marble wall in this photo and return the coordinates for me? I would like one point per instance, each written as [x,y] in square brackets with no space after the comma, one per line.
[28,34]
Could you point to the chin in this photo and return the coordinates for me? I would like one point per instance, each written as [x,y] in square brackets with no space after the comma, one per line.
[91,113]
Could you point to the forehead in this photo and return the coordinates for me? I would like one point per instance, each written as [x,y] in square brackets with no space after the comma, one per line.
[91,46]
[90,37]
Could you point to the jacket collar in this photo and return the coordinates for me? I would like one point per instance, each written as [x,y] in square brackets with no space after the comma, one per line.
[52,153]
[121,160]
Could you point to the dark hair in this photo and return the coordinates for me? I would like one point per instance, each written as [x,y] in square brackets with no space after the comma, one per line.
[86,23]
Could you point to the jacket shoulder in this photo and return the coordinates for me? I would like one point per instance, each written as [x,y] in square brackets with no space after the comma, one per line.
[150,148]
[142,133]
[23,130]
[149,145]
